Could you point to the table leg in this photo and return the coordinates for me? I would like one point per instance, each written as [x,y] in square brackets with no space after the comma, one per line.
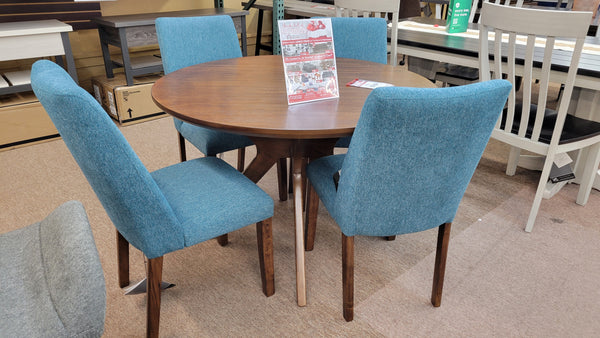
[585,103]
[282,179]
[69,56]
[244,36]
[268,152]
[299,224]
[259,32]
[127,66]
[104,38]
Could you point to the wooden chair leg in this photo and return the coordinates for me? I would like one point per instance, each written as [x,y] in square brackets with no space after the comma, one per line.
[513,161]
[223,240]
[348,276]
[539,193]
[291,178]
[241,159]
[264,238]
[182,153]
[389,238]
[440,263]
[304,182]
[122,260]
[312,209]
[282,179]
[154,278]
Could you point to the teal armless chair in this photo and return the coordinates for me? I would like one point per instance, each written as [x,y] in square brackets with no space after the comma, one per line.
[188,41]
[159,212]
[361,39]
[51,280]
[410,160]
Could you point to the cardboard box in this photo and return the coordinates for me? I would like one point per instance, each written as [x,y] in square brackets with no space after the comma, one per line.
[127,104]
[23,121]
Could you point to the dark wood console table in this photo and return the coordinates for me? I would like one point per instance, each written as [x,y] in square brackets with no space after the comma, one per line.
[124,31]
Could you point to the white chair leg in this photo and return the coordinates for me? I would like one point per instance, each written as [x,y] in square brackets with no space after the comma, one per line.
[589,174]
[513,160]
[537,200]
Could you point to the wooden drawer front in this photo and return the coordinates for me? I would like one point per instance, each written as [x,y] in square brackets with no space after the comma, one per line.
[24,122]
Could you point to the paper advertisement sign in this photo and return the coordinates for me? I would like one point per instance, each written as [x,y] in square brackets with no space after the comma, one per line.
[308,59]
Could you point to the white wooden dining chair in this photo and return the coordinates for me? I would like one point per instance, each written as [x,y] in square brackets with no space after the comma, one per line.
[377,9]
[535,127]
[475,7]
[456,75]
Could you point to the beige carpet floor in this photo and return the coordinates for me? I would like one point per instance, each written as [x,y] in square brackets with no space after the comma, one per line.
[500,281]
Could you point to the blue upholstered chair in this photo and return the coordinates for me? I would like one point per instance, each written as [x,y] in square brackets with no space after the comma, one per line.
[159,212]
[411,158]
[361,39]
[51,280]
[188,41]
[356,38]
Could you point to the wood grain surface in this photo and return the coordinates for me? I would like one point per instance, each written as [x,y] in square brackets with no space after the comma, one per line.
[248,96]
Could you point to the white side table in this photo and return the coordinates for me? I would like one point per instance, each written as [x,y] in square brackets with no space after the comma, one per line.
[33,39]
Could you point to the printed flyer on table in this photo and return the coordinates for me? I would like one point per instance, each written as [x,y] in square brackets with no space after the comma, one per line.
[308,59]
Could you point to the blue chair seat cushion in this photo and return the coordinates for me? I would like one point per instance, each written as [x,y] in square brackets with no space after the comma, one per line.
[210,198]
[343,142]
[320,173]
[211,142]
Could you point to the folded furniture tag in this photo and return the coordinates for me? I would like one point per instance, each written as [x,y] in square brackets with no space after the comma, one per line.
[367,84]
[458,16]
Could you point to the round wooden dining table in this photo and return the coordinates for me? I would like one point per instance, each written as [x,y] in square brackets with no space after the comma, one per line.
[248,96]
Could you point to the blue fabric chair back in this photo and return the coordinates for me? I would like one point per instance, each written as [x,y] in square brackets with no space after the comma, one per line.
[191,40]
[128,193]
[412,156]
[360,38]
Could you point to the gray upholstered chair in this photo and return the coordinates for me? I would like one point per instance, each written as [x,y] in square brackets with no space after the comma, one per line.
[410,160]
[51,280]
[160,212]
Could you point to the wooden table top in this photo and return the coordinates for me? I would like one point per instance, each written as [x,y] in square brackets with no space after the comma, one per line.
[248,96]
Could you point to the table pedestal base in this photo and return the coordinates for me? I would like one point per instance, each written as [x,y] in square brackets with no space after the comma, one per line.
[269,151]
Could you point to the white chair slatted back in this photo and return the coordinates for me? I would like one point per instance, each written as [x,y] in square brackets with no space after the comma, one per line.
[522,26]
[532,23]
[376,9]
[474,7]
